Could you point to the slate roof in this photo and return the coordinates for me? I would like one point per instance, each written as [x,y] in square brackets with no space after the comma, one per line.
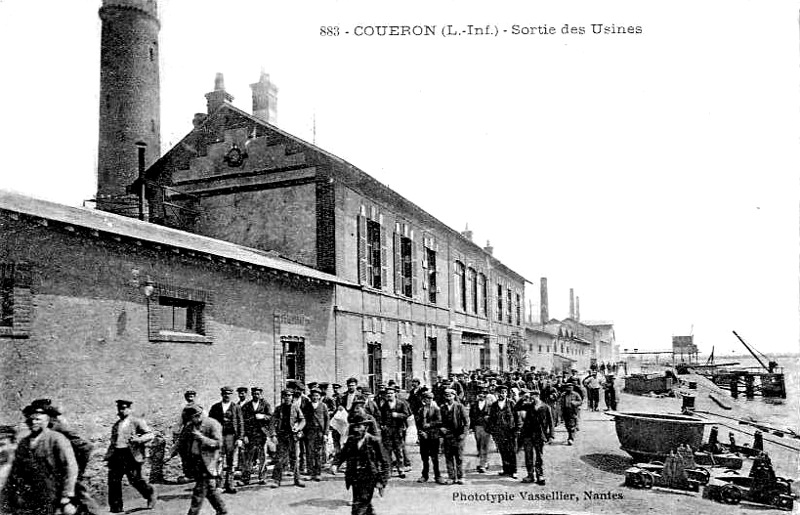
[117,225]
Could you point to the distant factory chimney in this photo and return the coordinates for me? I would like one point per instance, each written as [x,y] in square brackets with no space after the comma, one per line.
[219,96]
[544,307]
[467,233]
[578,309]
[571,303]
[265,99]
[488,248]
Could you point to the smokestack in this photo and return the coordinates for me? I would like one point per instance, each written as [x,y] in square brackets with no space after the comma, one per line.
[578,309]
[571,303]
[543,300]
[467,233]
[219,96]
[488,248]
[265,99]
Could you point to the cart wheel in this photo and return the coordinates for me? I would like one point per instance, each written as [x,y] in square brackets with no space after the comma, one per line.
[704,475]
[636,480]
[647,479]
[784,502]
[730,494]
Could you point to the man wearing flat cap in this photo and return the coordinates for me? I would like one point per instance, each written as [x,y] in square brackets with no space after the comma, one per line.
[350,395]
[289,423]
[504,426]
[394,417]
[366,466]
[177,429]
[43,474]
[428,419]
[537,428]
[125,457]
[256,415]
[454,429]
[229,416]
[479,422]
[203,438]
[317,422]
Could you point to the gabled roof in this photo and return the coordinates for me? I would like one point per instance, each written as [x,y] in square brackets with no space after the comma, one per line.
[123,226]
[350,174]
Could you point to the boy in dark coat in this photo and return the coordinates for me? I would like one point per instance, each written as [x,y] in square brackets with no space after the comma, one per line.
[366,466]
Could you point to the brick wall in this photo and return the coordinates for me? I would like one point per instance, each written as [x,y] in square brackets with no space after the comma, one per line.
[89,342]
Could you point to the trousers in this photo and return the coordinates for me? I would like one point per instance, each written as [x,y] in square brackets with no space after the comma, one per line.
[122,463]
[429,452]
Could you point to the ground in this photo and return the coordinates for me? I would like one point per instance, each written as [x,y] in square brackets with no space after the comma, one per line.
[583,478]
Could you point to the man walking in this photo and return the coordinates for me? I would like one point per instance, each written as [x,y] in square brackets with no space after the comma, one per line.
[289,424]
[570,411]
[256,415]
[504,428]
[479,421]
[44,471]
[537,428]
[366,466]
[593,386]
[229,416]
[125,457]
[316,428]
[610,393]
[428,419]
[455,427]
[203,439]
[394,415]
[180,426]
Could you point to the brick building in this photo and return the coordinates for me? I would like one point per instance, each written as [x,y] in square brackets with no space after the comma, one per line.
[429,301]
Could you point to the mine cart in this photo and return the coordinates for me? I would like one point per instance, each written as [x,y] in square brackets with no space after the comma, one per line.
[678,471]
[761,486]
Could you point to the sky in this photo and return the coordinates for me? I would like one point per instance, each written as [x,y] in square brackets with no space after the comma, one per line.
[655,173]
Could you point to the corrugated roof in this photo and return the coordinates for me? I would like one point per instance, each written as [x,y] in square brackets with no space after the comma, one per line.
[118,225]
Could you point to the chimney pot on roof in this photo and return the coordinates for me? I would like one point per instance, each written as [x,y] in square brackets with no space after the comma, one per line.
[571,303]
[265,99]
[467,233]
[219,96]
[488,248]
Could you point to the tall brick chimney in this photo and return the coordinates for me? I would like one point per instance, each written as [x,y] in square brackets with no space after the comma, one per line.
[219,96]
[265,99]
[545,314]
[578,309]
[571,303]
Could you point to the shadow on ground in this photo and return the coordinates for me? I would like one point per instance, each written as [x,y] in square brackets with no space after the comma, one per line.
[611,463]
[328,504]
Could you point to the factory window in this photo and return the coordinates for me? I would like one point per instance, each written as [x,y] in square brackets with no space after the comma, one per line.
[372,250]
[294,358]
[519,310]
[177,314]
[472,278]
[500,302]
[374,366]
[460,286]
[16,300]
[405,267]
[508,309]
[483,294]
[430,274]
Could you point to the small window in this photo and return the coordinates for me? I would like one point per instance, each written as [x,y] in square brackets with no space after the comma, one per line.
[431,263]
[178,315]
[16,300]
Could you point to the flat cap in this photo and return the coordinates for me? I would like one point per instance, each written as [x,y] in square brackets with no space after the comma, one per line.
[352,380]
[242,389]
[226,389]
[122,403]
[256,389]
[192,410]
[190,392]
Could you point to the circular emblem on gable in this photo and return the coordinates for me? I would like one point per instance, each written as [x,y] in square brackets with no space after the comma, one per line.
[235,157]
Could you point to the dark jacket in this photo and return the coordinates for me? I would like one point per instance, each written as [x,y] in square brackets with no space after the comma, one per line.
[396,418]
[140,430]
[538,423]
[366,464]
[428,420]
[455,421]
[255,427]
[317,419]
[503,422]
[231,420]
[210,441]
[477,416]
